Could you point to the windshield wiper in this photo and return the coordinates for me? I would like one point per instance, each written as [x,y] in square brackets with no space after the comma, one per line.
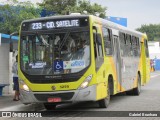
[64,40]
[43,41]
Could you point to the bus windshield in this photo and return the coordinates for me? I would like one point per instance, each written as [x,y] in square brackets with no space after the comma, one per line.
[52,54]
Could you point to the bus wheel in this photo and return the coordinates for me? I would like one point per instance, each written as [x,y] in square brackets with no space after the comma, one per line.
[105,102]
[49,106]
[137,90]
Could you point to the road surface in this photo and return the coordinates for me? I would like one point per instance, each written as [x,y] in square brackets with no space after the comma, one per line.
[149,100]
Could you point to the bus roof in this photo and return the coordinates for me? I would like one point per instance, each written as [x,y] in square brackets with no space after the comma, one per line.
[116,26]
[56,17]
[95,19]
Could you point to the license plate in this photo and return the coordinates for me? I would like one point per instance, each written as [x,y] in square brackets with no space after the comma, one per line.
[54,100]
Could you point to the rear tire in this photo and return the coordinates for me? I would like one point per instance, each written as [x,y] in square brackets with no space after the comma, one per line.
[105,102]
[50,106]
[136,91]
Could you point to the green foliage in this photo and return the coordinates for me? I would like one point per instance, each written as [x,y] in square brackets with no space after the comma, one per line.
[63,7]
[13,13]
[152,31]
[58,6]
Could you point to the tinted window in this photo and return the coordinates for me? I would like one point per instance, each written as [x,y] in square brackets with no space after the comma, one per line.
[122,43]
[146,48]
[134,46]
[98,50]
[128,39]
[107,41]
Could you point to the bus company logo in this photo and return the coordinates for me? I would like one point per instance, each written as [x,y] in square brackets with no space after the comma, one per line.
[53,87]
[77,64]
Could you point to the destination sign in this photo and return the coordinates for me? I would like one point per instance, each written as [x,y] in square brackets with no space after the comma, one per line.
[53,24]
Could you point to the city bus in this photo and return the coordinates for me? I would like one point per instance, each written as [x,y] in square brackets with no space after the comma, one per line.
[75,58]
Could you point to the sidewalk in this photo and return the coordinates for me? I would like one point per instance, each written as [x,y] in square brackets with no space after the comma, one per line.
[7,101]
[155,72]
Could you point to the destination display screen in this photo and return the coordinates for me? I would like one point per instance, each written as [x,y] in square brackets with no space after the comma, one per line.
[54,24]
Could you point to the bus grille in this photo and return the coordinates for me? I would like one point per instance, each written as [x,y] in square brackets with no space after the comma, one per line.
[63,96]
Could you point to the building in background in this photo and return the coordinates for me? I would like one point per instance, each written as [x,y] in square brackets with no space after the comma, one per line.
[6,59]
[45,13]
[154,53]
[154,49]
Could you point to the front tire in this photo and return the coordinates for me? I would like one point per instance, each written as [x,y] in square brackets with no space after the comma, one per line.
[105,102]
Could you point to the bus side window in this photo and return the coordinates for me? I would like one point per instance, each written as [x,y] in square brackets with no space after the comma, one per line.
[107,41]
[138,46]
[98,50]
[122,38]
[99,43]
[135,50]
[128,39]
[146,48]
[122,42]
[129,45]
[95,48]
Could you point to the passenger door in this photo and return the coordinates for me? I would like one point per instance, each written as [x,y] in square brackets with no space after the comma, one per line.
[99,64]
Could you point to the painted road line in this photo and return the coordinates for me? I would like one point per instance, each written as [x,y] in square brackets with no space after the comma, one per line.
[153,76]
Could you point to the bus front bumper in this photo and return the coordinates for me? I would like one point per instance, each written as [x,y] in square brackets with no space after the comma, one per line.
[87,94]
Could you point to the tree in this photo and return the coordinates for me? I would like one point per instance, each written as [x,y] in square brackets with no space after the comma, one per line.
[65,6]
[58,6]
[13,13]
[152,31]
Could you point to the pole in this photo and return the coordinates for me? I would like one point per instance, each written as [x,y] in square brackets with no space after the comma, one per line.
[11,42]
[0,39]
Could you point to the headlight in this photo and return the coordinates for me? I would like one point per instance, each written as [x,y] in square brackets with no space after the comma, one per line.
[23,86]
[85,82]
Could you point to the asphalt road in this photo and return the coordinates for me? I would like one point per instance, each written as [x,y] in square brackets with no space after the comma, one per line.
[149,100]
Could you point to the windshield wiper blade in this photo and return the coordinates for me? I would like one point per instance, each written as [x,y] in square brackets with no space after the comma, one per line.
[44,42]
[64,40]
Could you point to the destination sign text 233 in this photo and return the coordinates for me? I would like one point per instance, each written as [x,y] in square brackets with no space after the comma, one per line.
[54,24]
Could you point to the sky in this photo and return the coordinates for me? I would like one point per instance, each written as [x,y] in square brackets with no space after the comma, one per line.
[137,12]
